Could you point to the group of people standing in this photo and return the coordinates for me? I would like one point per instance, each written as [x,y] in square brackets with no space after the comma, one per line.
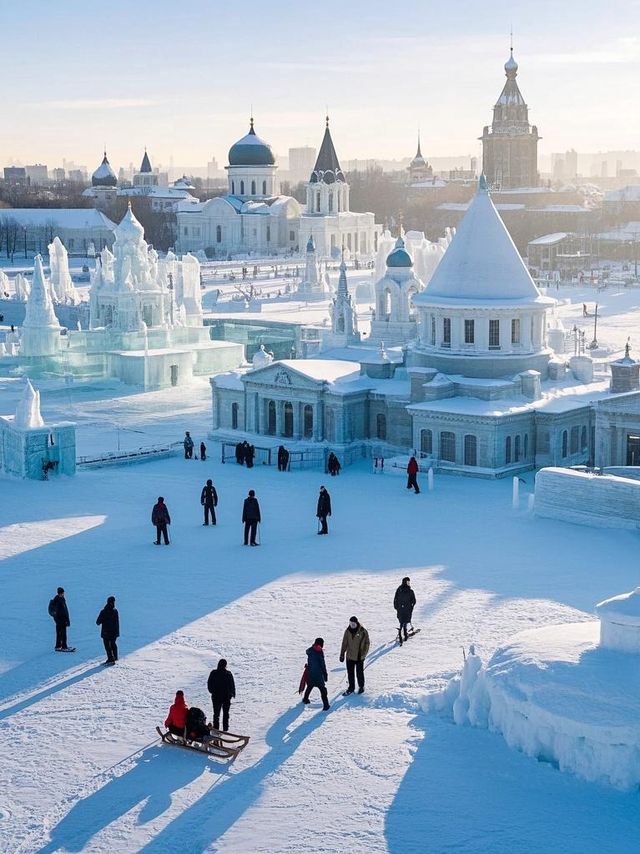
[245,454]
[108,619]
[189,448]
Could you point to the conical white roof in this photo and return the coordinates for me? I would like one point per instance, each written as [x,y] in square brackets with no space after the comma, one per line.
[39,311]
[482,262]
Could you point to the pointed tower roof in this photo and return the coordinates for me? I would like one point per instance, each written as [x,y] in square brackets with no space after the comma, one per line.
[418,160]
[327,166]
[251,150]
[342,278]
[104,176]
[482,262]
[511,95]
[39,309]
[28,415]
[146,163]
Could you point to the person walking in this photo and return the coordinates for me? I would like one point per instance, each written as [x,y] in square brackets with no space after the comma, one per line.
[412,475]
[209,500]
[355,646]
[250,453]
[251,518]
[283,458]
[240,453]
[188,446]
[59,611]
[222,688]
[160,518]
[109,620]
[317,676]
[404,602]
[333,465]
[203,451]
[323,510]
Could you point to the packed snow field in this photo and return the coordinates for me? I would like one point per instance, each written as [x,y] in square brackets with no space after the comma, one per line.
[82,769]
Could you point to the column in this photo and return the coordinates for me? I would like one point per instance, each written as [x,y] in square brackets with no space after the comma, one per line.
[297,432]
[457,332]
[279,417]
[525,332]
[316,422]
[259,413]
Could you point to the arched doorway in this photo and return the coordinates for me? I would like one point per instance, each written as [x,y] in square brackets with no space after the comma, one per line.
[271,418]
[307,421]
[234,416]
[470,451]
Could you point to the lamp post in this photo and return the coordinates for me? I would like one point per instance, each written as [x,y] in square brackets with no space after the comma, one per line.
[594,343]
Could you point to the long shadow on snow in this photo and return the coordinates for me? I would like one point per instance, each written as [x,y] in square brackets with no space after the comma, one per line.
[48,691]
[156,775]
[466,791]
[210,817]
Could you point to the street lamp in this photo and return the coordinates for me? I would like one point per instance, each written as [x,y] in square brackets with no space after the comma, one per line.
[594,343]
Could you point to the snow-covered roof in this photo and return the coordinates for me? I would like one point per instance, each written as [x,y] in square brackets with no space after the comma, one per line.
[624,608]
[548,239]
[77,218]
[630,193]
[173,194]
[482,262]
[329,370]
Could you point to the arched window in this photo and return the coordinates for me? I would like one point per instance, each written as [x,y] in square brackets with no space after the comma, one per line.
[330,202]
[340,324]
[234,416]
[307,421]
[288,420]
[381,426]
[318,202]
[271,418]
[268,234]
[264,188]
[412,308]
[565,443]
[507,450]
[516,450]
[583,440]
[338,198]
[386,296]
[218,234]
[525,452]
[575,439]
[448,446]
[233,188]
[426,441]
[242,188]
[470,451]
[253,188]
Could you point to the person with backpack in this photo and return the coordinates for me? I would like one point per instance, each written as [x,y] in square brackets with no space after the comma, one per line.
[316,673]
[283,458]
[404,602]
[160,518]
[59,611]
[196,725]
[412,475]
[222,688]
[251,518]
[188,445]
[209,500]
[240,453]
[323,510]
[355,646]
[109,621]
[177,718]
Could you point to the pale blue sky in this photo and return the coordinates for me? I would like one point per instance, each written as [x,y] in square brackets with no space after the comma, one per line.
[181,77]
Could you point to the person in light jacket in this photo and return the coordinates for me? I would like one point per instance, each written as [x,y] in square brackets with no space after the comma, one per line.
[355,646]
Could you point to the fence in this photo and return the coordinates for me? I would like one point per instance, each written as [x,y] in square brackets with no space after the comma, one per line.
[136,455]
[262,456]
[308,458]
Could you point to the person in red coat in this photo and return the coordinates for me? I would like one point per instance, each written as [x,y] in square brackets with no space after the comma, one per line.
[412,475]
[177,717]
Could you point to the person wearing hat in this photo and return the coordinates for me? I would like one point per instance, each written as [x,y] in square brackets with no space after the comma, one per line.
[317,676]
[355,646]
[177,718]
[209,500]
[323,509]
[251,518]
[404,602]
[59,611]
[160,518]
[109,621]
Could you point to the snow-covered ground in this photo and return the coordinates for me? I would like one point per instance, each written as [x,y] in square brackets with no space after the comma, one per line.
[81,769]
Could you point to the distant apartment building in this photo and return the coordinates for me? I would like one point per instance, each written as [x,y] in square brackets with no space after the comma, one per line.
[37,174]
[16,176]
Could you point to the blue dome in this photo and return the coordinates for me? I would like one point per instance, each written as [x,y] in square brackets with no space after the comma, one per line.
[251,151]
[399,257]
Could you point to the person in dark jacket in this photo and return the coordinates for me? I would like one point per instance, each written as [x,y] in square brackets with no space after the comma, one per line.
[317,676]
[109,621]
[249,454]
[209,500]
[177,717]
[404,602]
[251,518]
[222,688]
[188,446]
[412,475]
[203,451]
[160,518]
[333,465]
[240,453]
[283,458]
[60,612]
[323,509]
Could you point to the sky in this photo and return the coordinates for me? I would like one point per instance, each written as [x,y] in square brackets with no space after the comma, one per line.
[182,78]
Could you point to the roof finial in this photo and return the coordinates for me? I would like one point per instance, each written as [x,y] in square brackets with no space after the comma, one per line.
[627,347]
[251,130]
[129,206]
[326,110]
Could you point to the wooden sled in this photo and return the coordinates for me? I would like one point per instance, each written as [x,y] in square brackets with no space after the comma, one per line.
[222,745]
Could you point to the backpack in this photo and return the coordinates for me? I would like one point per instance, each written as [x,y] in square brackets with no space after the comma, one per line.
[196,718]
[52,608]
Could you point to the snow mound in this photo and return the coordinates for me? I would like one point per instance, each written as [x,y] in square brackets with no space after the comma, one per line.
[558,696]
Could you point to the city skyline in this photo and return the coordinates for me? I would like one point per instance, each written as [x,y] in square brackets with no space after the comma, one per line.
[380,77]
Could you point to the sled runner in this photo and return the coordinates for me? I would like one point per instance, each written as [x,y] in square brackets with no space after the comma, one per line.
[223,745]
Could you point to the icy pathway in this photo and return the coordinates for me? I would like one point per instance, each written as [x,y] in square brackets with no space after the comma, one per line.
[82,772]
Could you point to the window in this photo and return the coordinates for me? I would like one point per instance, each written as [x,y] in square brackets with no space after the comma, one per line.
[288,420]
[196,232]
[268,234]
[433,330]
[494,334]
[233,187]
[448,446]
[330,202]
[292,236]
[526,446]
[469,332]
[507,450]
[515,330]
[253,188]
[218,234]
[583,440]
[575,439]
[339,206]
[349,241]
[307,421]
[317,202]
[271,418]
[185,230]
[426,441]
[386,304]
[264,188]
[381,425]
[516,450]
[242,188]
[470,451]
[356,238]
[565,441]
[234,416]
[446,332]
[329,425]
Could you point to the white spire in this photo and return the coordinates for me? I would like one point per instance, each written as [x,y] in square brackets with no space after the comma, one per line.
[28,415]
[62,288]
[40,330]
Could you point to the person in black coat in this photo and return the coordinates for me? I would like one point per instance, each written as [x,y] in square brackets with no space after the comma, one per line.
[240,453]
[251,518]
[317,673]
[222,688]
[209,500]
[249,454]
[109,620]
[323,510]
[203,451]
[160,518]
[60,612]
[333,465]
[283,458]
[404,602]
